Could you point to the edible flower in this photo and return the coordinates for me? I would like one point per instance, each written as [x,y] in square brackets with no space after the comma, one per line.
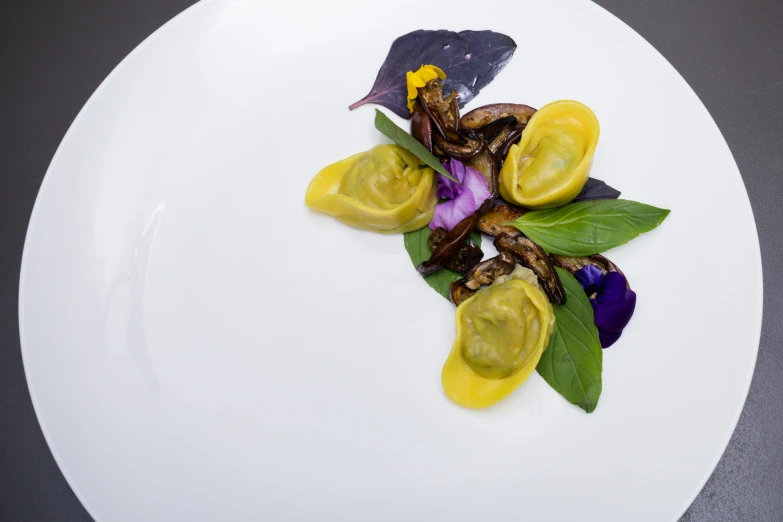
[462,199]
[420,78]
[613,303]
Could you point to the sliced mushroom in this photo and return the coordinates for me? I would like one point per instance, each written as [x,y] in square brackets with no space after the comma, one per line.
[502,151]
[449,246]
[491,130]
[529,254]
[572,264]
[483,274]
[465,149]
[500,138]
[466,257]
[452,107]
[421,126]
[459,293]
[443,111]
[483,116]
[486,163]
[490,221]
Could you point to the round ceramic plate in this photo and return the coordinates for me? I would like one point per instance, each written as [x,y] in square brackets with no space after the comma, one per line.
[200,346]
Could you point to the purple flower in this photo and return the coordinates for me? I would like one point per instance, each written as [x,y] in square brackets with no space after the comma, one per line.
[463,198]
[613,304]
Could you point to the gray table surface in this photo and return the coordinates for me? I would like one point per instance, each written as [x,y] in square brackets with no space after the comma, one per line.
[54,54]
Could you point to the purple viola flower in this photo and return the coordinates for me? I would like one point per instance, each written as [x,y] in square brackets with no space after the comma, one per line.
[463,198]
[613,303]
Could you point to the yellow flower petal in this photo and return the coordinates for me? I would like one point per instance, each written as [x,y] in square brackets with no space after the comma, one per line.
[419,79]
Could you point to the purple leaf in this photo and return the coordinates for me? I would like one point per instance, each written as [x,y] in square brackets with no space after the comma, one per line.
[596,189]
[470,59]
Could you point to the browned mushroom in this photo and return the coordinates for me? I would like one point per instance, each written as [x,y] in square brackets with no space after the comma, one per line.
[443,111]
[486,163]
[421,126]
[500,138]
[449,246]
[501,124]
[465,149]
[466,257]
[494,127]
[459,293]
[529,254]
[572,264]
[487,114]
[490,221]
[483,274]
[502,150]
[491,131]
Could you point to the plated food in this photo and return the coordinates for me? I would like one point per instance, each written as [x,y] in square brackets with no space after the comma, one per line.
[382,189]
[549,301]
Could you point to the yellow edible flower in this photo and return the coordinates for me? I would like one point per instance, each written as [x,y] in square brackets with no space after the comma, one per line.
[419,79]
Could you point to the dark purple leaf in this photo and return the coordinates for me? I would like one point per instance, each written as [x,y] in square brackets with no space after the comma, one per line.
[470,59]
[596,189]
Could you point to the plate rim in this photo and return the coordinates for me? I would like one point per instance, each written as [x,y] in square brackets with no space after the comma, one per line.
[758,285]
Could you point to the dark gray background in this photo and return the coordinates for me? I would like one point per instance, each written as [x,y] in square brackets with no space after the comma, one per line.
[53,54]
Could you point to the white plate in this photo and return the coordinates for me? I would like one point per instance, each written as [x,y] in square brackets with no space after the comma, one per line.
[200,346]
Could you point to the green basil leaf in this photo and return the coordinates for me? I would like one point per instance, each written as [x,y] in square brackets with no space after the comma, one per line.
[573,361]
[419,251]
[395,133]
[589,227]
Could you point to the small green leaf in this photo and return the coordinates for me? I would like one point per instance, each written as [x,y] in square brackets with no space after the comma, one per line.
[573,361]
[395,133]
[419,251]
[589,227]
